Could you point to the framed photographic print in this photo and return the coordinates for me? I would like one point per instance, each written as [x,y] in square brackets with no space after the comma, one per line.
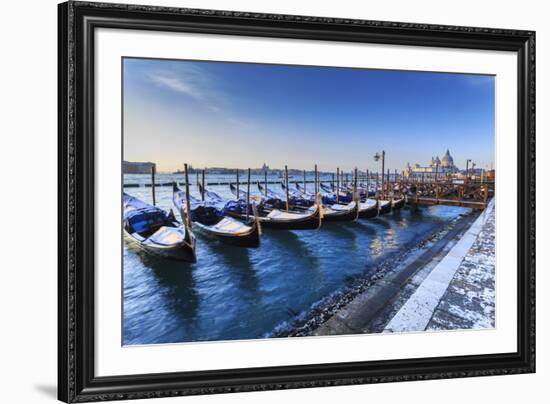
[256,201]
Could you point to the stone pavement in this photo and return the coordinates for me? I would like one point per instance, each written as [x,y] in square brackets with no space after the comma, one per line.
[469,302]
[459,293]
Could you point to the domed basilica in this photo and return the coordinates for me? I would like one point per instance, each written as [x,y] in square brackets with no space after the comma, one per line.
[444,166]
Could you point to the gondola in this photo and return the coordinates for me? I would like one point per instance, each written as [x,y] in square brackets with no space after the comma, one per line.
[308,219]
[210,219]
[398,203]
[368,209]
[341,213]
[363,191]
[348,191]
[384,206]
[343,196]
[156,231]
[296,199]
[278,201]
[337,212]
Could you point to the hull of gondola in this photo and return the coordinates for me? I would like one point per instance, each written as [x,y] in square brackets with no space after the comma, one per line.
[384,208]
[310,222]
[249,239]
[298,222]
[342,215]
[184,251]
[369,213]
[398,203]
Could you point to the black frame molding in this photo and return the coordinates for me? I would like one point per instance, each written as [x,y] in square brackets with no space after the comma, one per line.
[77,22]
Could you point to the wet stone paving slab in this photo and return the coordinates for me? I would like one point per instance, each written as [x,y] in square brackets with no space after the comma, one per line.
[469,302]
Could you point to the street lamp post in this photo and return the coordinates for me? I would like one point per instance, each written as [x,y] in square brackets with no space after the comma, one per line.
[376,158]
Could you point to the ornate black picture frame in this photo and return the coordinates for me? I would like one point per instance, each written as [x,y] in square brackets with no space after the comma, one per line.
[77,24]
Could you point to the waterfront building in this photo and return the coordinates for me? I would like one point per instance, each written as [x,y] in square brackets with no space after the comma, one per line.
[130,167]
[443,167]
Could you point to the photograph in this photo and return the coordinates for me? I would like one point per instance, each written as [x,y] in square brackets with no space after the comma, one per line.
[252,201]
[265,201]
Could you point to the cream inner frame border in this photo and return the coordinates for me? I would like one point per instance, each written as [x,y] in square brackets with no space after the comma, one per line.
[114,359]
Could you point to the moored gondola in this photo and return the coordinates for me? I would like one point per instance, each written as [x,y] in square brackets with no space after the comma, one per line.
[341,213]
[336,212]
[398,203]
[156,231]
[270,217]
[368,209]
[278,201]
[343,196]
[384,206]
[210,218]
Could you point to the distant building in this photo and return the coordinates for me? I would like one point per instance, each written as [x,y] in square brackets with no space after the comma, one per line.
[129,167]
[443,167]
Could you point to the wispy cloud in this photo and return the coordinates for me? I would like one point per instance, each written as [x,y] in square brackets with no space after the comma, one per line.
[188,79]
[176,84]
[200,85]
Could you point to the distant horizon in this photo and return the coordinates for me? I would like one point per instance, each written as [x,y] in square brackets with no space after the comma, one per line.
[308,170]
[237,115]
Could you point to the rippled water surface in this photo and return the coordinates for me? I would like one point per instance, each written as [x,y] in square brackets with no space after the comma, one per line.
[234,293]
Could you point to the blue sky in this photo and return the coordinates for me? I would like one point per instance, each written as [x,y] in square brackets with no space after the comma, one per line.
[215,114]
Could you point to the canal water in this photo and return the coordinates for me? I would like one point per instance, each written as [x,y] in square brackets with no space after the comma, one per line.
[233,293]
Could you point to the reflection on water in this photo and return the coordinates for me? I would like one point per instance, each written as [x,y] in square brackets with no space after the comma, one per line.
[234,293]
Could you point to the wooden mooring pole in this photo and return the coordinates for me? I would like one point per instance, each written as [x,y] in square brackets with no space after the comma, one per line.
[286,187]
[202,187]
[317,186]
[395,179]
[388,185]
[355,184]
[238,194]
[437,182]
[337,184]
[248,196]
[367,185]
[416,193]
[153,174]
[265,183]
[187,200]
[383,166]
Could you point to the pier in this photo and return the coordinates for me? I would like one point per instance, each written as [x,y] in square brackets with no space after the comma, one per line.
[466,193]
